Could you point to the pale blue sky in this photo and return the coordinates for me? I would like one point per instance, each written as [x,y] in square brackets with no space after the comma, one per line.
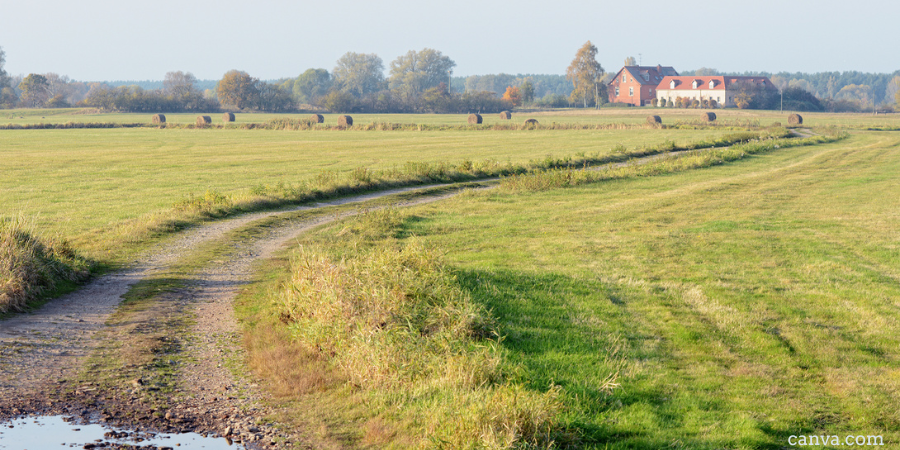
[139,40]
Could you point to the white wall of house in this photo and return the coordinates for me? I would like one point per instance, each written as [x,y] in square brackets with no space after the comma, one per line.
[721,96]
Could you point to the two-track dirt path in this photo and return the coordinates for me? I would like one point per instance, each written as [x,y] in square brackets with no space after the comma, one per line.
[40,351]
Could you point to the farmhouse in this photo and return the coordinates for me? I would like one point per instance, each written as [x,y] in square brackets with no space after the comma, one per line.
[636,85]
[721,90]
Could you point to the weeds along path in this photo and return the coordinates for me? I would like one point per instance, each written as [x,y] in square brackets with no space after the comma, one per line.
[40,349]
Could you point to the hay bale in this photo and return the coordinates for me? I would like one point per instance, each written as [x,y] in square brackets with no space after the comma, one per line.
[795,119]
[228,117]
[203,121]
[317,118]
[505,115]
[654,120]
[159,118]
[708,117]
[345,121]
[532,122]
[474,119]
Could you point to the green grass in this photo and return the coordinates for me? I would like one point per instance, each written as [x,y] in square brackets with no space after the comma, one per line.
[575,116]
[727,307]
[82,183]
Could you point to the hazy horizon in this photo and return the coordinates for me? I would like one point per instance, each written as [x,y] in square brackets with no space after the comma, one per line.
[106,40]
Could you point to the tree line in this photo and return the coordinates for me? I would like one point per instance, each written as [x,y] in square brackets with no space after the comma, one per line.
[420,82]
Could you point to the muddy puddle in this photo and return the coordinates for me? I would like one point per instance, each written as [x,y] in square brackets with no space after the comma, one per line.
[60,432]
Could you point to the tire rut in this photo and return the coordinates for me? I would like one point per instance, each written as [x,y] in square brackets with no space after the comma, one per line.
[40,350]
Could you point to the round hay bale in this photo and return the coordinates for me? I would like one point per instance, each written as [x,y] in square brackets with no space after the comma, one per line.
[345,121]
[795,119]
[159,118]
[654,120]
[203,121]
[317,118]
[228,117]
[530,123]
[474,119]
[708,117]
[506,115]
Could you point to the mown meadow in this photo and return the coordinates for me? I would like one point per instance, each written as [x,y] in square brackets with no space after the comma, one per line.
[730,306]
[107,193]
[718,299]
[605,116]
[79,180]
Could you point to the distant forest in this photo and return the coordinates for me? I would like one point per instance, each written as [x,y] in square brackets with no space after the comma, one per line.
[415,82]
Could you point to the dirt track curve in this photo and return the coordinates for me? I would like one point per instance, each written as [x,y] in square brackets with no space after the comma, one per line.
[41,352]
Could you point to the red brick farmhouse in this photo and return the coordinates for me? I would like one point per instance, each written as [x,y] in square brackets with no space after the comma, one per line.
[636,85]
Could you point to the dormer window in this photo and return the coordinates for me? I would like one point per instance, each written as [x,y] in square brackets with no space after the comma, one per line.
[712,84]
[694,84]
[646,76]
[672,84]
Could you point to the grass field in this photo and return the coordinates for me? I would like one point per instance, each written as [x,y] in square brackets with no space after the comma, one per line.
[728,307]
[724,307]
[603,116]
[75,181]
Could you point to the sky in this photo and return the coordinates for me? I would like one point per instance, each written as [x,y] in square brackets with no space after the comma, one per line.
[106,40]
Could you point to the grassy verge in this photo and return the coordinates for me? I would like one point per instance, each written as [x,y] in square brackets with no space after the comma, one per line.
[552,179]
[33,267]
[735,306]
[378,332]
[145,335]
[681,310]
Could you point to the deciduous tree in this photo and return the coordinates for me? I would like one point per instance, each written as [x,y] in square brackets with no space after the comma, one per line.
[527,92]
[415,72]
[312,85]
[585,74]
[238,89]
[34,90]
[860,94]
[359,73]
[273,98]
[513,96]
[630,61]
[4,78]
[892,92]
[180,84]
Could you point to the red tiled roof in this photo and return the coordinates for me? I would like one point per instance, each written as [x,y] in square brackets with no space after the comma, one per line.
[719,82]
[645,74]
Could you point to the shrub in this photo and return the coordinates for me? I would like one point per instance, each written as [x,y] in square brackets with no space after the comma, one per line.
[30,265]
[395,320]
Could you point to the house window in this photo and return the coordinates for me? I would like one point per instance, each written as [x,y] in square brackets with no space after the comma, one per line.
[631,91]
[623,78]
[617,91]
